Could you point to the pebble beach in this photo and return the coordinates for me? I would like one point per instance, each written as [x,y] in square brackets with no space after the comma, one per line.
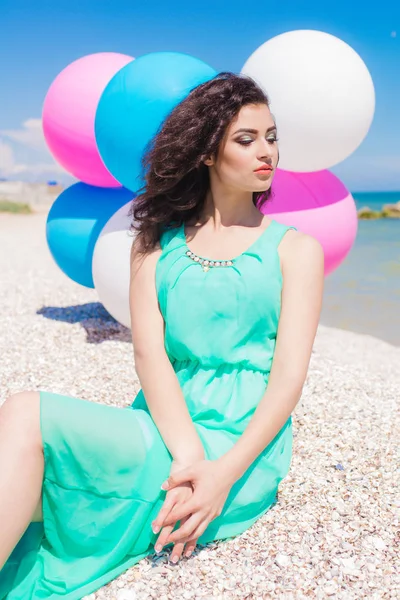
[332,532]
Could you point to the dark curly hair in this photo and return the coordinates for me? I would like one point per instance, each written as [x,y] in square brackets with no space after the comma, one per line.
[176,178]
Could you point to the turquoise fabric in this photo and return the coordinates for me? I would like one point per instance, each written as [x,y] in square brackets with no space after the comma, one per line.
[104,465]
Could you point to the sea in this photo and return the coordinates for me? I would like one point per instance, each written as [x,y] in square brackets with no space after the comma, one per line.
[363,293]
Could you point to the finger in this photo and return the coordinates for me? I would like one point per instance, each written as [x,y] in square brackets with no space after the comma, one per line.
[162,539]
[177,478]
[192,540]
[190,547]
[178,548]
[186,530]
[176,551]
[181,510]
[166,508]
[201,528]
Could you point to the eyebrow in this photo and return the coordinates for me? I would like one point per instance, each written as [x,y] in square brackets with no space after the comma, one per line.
[254,130]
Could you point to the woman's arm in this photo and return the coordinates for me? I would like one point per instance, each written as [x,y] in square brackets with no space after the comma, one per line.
[158,380]
[302,292]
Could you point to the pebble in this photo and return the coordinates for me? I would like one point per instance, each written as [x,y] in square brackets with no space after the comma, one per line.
[127,594]
[282,560]
[330,590]
[378,543]
[331,525]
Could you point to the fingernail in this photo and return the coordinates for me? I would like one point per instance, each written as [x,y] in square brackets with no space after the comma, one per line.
[164,486]
[188,553]
[158,548]
[156,529]
[175,559]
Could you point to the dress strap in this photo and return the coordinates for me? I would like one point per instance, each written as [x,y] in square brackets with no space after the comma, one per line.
[167,235]
[277,232]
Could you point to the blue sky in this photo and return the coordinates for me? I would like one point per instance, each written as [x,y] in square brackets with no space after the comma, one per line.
[41,37]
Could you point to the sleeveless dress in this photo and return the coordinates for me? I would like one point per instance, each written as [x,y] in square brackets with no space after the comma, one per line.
[104,465]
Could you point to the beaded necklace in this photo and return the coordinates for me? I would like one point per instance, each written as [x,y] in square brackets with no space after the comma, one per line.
[208,263]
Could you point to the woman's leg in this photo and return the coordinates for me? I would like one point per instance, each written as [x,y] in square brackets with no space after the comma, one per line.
[21,468]
[38,514]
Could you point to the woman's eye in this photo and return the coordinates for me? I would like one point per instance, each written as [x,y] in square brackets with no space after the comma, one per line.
[271,140]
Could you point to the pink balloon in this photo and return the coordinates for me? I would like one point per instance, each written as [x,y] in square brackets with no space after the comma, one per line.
[317,204]
[69,112]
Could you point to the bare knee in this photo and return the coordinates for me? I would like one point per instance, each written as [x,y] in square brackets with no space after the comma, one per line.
[21,411]
[21,401]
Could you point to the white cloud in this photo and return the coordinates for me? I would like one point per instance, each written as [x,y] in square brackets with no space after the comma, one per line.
[38,168]
[30,134]
[7,160]
[24,154]
[10,167]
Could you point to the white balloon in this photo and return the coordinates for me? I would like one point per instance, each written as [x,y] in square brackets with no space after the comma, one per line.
[111,265]
[322,97]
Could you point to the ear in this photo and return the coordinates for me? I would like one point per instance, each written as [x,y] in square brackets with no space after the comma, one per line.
[209,161]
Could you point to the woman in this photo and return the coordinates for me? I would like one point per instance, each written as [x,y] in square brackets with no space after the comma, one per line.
[225,304]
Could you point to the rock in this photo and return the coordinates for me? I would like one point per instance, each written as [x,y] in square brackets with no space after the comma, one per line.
[367,213]
[377,542]
[126,594]
[391,210]
[388,211]
[330,590]
[282,560]
[392,207]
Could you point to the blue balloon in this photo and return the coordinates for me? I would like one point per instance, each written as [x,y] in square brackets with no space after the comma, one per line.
[74,223]
[135,103]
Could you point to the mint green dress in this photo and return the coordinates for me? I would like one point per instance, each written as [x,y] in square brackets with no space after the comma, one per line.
[104,465]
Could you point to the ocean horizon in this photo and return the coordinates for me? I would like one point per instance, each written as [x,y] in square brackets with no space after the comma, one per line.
[363,293]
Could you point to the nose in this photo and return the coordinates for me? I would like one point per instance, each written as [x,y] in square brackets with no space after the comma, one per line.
[266,151]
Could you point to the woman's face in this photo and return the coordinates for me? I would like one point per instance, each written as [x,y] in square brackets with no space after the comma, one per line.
[250,142]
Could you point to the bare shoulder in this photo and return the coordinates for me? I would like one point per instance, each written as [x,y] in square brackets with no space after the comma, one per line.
[140,261]
[299,251]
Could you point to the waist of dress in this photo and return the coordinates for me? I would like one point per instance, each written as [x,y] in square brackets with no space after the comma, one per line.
[226,367]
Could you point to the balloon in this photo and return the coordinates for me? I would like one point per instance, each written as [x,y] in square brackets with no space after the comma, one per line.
[74,223]
[135,103]
[317,204]
[322,97]
[69,111]
[111,265]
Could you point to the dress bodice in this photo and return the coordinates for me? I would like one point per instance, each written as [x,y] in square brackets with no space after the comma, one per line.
[226,314]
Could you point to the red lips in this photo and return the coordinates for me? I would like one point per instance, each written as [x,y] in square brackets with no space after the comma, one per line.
[264,168]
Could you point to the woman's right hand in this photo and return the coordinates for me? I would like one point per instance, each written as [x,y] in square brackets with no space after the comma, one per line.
[174,497]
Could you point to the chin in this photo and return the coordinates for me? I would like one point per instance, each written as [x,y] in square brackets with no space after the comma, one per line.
[264,188]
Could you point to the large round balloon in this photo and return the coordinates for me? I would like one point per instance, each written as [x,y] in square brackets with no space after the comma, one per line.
[317,204]
[69,111]
[136,102]
[74,223]
[322,96]
[111,265]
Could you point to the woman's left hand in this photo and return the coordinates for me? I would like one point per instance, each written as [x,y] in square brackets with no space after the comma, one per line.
[211,485]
